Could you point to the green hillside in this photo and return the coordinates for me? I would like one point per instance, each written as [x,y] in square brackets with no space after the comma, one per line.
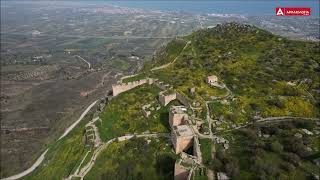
[256,65]
[262,78]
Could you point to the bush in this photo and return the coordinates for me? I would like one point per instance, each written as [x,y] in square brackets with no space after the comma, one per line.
[232,168]
[292,158]
[304,124]
[164,165]
[276,102]
[217,165]
[276,147]
[288,167]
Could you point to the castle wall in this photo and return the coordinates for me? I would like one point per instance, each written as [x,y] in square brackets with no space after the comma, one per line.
[160,85]
[119,88]
[181,143]
[176,119]
[183,100]
[196,149]
[166,99]
[180,173]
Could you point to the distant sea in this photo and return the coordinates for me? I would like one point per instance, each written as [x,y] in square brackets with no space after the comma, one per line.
[217,7]
[241,7]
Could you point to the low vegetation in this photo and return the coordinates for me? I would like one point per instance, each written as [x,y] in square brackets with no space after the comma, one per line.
[138,158]
[268,76]
[271,151]
[123,114]
[64,156]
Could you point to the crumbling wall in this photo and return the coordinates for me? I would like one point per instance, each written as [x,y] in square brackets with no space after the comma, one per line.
[161,85]
[183,100]
[196,149]
[166,99]
[176,119]
[181,143]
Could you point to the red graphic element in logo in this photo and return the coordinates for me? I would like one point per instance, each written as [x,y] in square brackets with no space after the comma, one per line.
[293,11]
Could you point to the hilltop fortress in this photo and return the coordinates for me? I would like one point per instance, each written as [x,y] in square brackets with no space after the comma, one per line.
[183,136]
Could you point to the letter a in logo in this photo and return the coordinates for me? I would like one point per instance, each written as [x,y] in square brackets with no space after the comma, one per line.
[279,11]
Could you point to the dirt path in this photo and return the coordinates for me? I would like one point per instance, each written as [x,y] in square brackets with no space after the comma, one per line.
[89,65]
[81,173]
[77,122]
[168,64]
[41,158]
[270,120]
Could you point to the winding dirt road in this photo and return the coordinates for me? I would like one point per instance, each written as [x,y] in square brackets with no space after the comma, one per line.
[77,122]
[41,158]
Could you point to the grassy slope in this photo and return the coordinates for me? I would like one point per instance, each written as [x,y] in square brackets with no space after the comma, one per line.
[256,65]
[206,145]
[135,159]
[123,115]
[256,158]
[63,156]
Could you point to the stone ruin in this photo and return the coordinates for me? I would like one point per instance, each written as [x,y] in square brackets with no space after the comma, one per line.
[148,108]
[180,172]
[182,138]
[165,99]
[213,81]
[177,116]
[123,87]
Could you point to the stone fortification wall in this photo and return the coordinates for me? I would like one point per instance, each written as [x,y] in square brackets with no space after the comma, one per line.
[180,172]
[166,99]
[182,143]
[176,119]
[183,100]
[161,85]
[122,87]
[196,149]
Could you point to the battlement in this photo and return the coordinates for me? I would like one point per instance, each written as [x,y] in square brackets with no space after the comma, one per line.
[123,87]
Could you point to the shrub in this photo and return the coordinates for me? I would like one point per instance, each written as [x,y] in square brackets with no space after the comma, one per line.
[276,147]
[232,168]
[288,167]
[292,158]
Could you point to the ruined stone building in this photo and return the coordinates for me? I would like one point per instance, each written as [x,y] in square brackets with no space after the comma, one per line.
[181,134]
[165,99]
[177,116]
[182,138]
[212,79]
[181,173]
